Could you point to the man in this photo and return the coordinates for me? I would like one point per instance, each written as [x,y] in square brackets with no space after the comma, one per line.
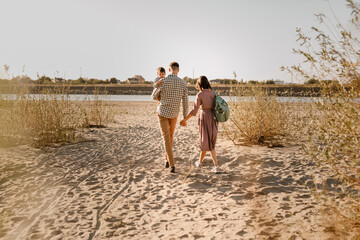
[172,91]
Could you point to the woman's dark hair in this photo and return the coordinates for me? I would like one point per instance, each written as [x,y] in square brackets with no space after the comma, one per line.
[203,83]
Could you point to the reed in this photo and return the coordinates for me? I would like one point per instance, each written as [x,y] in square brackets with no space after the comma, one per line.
[334,139]
[335,145]
[48,117]
[97,113]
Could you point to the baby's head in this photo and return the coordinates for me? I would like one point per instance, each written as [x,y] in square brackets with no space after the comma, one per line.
[161,72]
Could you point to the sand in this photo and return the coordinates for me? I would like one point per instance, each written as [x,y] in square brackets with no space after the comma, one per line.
[114,186]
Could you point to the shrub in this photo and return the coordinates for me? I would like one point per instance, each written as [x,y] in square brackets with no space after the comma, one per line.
[42,119]
[95,113]
[335,145]
[256,116]
[49,117]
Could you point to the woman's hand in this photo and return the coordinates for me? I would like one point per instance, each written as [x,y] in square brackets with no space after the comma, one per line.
[183,123]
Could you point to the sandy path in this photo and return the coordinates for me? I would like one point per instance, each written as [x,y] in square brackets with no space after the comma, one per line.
[114,186]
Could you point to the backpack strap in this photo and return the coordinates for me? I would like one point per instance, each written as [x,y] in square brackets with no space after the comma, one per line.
[216,95]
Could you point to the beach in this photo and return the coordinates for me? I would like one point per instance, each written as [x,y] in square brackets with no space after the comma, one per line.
[113,185]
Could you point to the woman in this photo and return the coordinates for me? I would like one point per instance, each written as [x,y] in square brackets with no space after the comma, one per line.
[208,126]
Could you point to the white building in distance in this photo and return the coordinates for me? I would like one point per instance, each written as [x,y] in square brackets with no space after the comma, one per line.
[279,82]
[137,79]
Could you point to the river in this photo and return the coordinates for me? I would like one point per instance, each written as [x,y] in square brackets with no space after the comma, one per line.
[139,98]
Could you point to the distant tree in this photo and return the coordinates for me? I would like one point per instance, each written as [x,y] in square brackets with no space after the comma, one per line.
[43,80]
[22,79]
[232,81]
[312,82]
[113,80]
[96,81]
[253,82]
[269,82]
[190,80]
[224,81]
[80,80]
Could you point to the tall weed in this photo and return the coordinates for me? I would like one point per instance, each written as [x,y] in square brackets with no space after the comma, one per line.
[335,136]
[48,117]
[96,112]
[335,145]
[256,116]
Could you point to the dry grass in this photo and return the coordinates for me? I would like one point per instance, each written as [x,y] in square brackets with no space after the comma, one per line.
[335,144]
[256,117]
[49,117]
[96,113]
[329,130]
[335,122]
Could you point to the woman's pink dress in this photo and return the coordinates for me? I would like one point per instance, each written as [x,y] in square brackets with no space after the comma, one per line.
[208,126]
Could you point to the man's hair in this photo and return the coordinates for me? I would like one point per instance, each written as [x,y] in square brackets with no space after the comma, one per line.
[161,69]
[174,66]
[202,83]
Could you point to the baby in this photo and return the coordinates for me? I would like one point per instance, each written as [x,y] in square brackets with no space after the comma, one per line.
[160,75]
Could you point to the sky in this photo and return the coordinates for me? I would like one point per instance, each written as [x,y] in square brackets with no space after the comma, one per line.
[122,38]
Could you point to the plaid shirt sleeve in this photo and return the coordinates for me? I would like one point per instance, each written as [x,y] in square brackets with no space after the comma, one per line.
[185,102]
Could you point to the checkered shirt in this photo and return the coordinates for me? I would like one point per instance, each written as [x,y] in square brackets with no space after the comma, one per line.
[172,92]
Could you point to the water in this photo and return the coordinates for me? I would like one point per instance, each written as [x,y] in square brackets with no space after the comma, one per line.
[141,98]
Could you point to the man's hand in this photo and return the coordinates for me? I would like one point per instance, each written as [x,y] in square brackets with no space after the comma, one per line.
[183,123]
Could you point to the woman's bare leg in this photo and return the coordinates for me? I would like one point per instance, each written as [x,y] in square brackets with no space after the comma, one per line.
[213,156]
[202,155]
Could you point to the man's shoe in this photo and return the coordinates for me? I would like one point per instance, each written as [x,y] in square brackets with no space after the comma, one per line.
[167,165]
[172,169]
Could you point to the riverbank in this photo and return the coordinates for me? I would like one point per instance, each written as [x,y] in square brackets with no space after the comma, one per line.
[146,89]
[112,185]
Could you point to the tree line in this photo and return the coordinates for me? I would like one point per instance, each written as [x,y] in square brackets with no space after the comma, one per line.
[192,81]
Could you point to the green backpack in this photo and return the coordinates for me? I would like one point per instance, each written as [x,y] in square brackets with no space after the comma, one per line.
[221,110]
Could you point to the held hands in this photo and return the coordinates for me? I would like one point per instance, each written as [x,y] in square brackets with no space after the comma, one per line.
[183,123]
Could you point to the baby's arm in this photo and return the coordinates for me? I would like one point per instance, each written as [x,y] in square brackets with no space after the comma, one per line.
[157,82]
